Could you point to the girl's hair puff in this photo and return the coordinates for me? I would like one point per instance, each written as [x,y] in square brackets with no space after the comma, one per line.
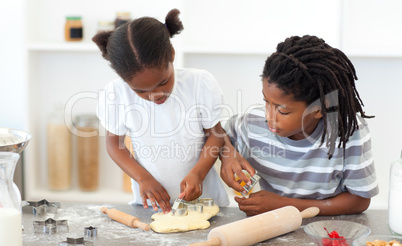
[309,69]
[140,44]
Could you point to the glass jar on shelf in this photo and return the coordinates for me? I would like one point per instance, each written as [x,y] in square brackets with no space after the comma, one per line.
[59,151]
[73,30]
[87,149]
[122,18]
[104,26]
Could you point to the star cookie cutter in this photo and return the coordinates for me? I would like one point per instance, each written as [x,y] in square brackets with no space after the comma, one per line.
[40,207]
[75,241]
[194,205]
[90,232]
[254,180]
[50,226]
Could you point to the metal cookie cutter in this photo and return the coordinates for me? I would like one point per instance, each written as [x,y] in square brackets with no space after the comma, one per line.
[75,241]
[180,210]
[197,207]
[254,180]
[194,205]
[207,201]
[90,232]
[40,207]
[50,226]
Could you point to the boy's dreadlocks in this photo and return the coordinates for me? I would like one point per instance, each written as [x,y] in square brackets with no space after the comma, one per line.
[309,69]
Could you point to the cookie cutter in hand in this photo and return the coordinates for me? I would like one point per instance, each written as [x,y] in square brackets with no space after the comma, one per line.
[254,180]
[195,205]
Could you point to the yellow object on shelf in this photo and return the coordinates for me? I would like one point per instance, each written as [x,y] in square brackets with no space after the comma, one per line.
[73,30]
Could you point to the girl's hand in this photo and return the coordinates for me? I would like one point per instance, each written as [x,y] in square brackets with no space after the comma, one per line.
[154,191]
[191,186]
[233,164]
[260,202]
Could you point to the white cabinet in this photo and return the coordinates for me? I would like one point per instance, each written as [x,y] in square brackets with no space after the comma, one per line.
[230,38]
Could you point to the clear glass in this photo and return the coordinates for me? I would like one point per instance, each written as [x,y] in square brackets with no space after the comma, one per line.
[395,198]
[10,202]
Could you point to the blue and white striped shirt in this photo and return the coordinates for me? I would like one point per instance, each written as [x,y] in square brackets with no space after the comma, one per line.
[301,168]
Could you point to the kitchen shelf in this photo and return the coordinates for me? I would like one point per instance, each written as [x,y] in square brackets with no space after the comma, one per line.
[201,50]
[186,49]
[63,46]
[99,196]
[225,50]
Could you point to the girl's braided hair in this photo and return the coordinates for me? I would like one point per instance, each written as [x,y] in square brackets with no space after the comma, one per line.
[309,69]
[142,43]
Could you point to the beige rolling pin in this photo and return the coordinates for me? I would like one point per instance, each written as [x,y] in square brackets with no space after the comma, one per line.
[258,228]
[124,218]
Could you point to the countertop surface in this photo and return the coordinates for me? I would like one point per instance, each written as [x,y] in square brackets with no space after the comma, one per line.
[110,233]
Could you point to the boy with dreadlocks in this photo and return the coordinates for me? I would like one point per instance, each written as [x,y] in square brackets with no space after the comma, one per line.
[310,144]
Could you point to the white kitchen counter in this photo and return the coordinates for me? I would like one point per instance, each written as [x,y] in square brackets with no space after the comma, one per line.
[111,233]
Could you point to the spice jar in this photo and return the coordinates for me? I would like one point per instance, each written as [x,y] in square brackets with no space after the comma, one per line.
[122,18]
[105,26]
[73,30]
[59,152]
[87,149]
[395,197]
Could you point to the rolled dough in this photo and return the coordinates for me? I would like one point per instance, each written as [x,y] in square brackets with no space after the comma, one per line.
[167,223]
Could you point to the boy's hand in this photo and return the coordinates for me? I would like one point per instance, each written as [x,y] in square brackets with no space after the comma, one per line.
[234,163]
[154,191]
[191,186]
[259,202]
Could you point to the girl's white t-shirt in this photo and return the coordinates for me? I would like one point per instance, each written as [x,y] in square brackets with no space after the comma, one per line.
[167,138]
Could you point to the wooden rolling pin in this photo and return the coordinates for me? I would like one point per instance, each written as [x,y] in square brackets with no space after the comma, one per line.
[258,228]
[124,218]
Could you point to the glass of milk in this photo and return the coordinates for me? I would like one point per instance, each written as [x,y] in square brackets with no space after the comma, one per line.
[10,200]
[395,198]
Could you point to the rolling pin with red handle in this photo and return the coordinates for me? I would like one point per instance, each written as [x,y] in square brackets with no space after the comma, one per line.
[258,228]
[124,218]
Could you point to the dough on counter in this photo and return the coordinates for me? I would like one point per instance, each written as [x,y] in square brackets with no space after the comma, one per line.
[167,223]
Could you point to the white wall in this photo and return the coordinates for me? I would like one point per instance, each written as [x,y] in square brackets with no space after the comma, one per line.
[12,64]
[367,30]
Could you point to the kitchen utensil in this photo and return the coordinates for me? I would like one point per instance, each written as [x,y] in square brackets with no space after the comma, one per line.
[40,207]
[12,140]
[259,228]
[180,210]
[347,231]
[90,232]
[254,180]
[124,218]
[75,241]
[50,226]
[178,201]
